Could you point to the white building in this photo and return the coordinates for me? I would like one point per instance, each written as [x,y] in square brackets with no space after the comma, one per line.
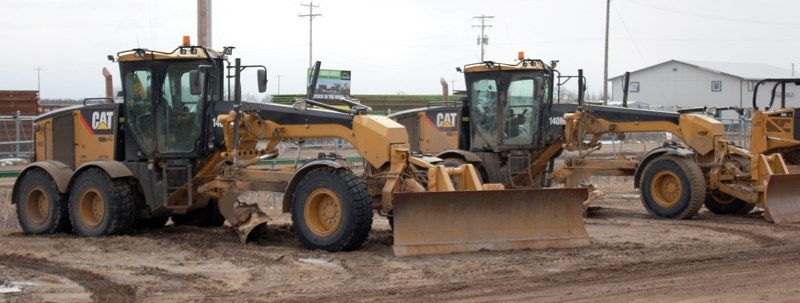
[695,84]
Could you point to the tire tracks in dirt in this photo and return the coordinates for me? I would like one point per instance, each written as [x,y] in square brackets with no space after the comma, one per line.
[102,289]
[591,283]
[760,239]
[709,222]
[645,275]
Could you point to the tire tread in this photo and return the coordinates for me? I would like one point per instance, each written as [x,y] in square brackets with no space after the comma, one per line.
[61,222]
[695,179]
[362,212]
[120,201]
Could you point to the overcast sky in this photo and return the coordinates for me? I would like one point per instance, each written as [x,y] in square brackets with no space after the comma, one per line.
[390,46]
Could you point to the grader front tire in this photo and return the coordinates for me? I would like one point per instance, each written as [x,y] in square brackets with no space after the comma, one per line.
[331,210]
[672,187]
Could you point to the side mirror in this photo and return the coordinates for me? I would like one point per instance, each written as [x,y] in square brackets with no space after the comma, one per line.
[262,80]
[538,82]
[195,83]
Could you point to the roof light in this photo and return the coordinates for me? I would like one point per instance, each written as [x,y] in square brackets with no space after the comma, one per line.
[521,55]
[186,41]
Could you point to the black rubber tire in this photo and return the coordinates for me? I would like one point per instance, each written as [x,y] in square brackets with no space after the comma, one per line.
[154,222]
[208,216]
[41,209]
[723,204]
[684,176]
[453,162]
[98,190]
[349,193]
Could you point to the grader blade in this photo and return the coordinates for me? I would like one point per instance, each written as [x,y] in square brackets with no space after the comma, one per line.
[783,204]
[431,223]
[244,218]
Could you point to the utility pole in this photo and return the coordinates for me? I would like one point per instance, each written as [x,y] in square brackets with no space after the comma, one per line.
[482,39]
[38,80]
[605,69]
[310,16]
[279,84]
[204,23]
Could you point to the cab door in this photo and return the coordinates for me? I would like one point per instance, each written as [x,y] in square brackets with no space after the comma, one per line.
[179,112]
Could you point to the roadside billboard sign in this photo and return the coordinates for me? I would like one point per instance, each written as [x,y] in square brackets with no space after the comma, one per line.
[332,84]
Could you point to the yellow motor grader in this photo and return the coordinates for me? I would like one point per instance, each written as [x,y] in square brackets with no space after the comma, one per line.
[175,148]
[510,129]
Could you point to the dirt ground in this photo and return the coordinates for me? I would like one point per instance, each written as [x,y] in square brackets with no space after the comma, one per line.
[634,258]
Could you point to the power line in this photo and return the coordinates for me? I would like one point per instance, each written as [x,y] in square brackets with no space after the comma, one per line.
[310,16]
[482,39]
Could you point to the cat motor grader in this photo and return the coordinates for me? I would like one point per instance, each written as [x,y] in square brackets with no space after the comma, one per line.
[175,148]
[510,129]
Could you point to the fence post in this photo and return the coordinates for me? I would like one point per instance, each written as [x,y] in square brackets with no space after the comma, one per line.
[741,131]
[18,123]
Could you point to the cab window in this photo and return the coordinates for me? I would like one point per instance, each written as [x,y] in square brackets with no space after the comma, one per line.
[138,104]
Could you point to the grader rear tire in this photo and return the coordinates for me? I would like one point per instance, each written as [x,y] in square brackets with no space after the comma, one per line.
[41,209]
[99,205]
[331,210]
[672,187]
[453,162]
[724,204]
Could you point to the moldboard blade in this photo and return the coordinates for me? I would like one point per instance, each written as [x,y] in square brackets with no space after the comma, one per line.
[430,223]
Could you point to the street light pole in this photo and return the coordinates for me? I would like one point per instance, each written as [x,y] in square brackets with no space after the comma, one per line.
[38,79]
[605,69]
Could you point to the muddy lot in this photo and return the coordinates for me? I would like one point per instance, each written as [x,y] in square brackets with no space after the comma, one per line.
[634,258]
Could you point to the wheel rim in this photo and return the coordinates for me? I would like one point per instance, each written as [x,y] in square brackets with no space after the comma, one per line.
[323,212]
[667,189]
[92,208]
[37,207]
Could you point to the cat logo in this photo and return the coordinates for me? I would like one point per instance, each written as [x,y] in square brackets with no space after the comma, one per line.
[446,120]
[102,120]
[99,121]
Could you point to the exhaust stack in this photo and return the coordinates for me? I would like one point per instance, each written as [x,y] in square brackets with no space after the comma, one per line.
[445,92]
[109,83]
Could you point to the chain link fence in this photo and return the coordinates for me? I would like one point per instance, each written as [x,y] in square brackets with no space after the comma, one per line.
[16,139]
